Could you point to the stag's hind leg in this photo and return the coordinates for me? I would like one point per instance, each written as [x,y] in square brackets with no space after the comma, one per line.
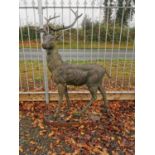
[104,96]
[93,91]
[103,93]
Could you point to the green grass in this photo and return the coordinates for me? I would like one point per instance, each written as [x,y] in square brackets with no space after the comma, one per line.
[81,45]
[30,68]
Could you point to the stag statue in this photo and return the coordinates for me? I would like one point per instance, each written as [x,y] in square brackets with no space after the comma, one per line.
[64,74]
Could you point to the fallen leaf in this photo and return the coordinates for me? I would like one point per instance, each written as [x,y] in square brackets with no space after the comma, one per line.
[32,142]
[51,134]
[41,125]
[21,149]
[42,132]
[95,118]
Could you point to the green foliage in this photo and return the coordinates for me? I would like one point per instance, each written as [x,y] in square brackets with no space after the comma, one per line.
[110,32]
[123,14]
[85,32]
[86,23]
[107,11]
[26,31]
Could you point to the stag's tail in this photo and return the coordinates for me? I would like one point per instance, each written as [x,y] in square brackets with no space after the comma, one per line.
[107,74]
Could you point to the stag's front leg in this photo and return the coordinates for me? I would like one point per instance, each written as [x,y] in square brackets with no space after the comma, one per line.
[93,91]
[61,89]
[67,98]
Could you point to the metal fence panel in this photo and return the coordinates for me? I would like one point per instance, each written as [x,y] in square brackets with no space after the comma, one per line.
[100,36]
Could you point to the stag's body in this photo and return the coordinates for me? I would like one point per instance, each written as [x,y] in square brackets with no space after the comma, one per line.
[71,74]
[64,74]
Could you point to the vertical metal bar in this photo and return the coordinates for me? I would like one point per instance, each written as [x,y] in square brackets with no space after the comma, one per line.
[46,4]
[131,67]
[23,51]
[40,12]
[105,44]
[119,46]
[126,50]
[62,3]
[70,33]
[77,34]
[30,46]
[113,42]
[36,40]
[84,27]
[92,30]
[99,33]
[54,4]
[20,80]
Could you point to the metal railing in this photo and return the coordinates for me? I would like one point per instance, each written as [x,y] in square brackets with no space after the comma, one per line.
[103,35]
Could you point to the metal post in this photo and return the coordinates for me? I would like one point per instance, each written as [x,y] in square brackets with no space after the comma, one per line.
[40,12]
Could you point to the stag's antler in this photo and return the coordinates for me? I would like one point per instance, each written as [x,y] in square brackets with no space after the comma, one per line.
[48,21]
[45,29]
[69,26]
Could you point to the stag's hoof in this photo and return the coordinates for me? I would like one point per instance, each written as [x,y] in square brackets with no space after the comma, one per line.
[66,110]
[105,110]
[55,117]
[77,115]
[51,118]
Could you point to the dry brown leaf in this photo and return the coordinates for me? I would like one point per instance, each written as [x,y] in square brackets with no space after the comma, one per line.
[85,146]
[77,152]
[21,149]
[95,118]
[82,133]
[51,134]
[72,141]
[81,127]
[42,132]
[41,125]
[35,123]
[68,118]
[101,152]
[32,142]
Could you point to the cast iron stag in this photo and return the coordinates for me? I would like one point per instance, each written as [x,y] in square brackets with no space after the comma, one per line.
[64,74]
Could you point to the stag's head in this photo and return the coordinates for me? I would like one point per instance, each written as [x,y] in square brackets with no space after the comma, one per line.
[48,41]
[49,36]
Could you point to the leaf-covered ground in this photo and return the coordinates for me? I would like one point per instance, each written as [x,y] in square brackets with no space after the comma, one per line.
[96,133]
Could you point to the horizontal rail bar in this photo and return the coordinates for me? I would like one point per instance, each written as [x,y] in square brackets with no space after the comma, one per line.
[76,95]
[74,7]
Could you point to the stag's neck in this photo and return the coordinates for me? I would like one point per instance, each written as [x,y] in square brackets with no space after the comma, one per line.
[54,59]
